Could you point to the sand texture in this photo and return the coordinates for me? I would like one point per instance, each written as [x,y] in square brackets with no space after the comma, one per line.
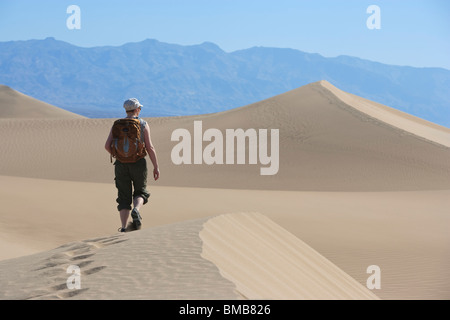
[359,184]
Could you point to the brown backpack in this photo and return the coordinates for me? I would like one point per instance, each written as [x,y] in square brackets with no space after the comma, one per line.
[128,143]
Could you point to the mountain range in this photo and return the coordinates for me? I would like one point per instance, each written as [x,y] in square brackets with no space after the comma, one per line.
[170,79]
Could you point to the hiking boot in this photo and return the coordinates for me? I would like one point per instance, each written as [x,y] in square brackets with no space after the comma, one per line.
[136,219]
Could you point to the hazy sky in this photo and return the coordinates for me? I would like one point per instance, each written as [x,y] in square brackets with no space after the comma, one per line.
[414,32]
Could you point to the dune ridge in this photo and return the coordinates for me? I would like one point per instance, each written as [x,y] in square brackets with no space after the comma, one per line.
[231,256]
[267,262]
[325,145]
[156,263]
[396,118]
[360,183]
[403,232]
[16,105]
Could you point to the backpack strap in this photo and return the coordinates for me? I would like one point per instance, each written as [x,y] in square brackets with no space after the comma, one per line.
[143,123]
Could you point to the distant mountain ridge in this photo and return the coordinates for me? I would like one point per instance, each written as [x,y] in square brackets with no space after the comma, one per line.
[171,79]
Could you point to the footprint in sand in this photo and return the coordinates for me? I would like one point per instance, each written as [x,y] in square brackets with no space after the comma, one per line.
[79,254]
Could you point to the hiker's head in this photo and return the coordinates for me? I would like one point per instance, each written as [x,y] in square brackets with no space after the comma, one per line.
[132,105]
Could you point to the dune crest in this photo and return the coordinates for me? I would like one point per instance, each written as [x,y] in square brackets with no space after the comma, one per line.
[358,182]
[14,104]
[324,145]
[157,263]
[267,262]
[419,127]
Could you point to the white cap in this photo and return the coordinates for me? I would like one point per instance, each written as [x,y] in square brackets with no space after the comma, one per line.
[131,104]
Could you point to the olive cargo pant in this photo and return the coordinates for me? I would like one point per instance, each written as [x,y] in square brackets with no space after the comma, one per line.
[129,177]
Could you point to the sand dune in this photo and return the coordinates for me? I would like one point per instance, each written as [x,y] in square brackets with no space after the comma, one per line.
[276,265]
[325,145]
[359,184]
[405,233]
[396,118]
[266,262]
[156,263]
[14,104]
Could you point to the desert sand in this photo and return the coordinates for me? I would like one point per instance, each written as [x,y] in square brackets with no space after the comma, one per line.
[14,104]
[359,184]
